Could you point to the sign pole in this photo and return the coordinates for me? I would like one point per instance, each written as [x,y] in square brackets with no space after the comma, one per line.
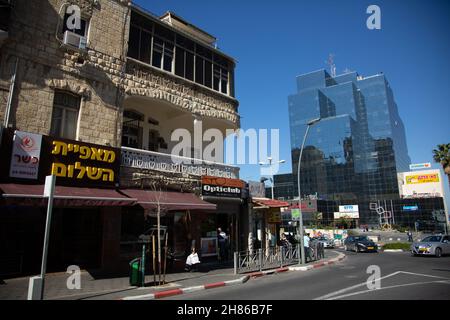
[49,192]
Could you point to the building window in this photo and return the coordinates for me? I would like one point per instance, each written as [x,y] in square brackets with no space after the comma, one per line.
[132,129]
[66,107]
[164,49]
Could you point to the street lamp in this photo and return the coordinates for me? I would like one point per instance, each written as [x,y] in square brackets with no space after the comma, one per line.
[261,163]
[300,229]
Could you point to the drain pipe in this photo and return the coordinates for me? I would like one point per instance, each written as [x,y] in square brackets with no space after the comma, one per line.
[10,95]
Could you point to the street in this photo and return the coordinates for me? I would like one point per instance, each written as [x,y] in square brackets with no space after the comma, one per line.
[402,277]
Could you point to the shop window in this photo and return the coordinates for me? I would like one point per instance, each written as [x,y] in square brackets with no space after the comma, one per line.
[65,115]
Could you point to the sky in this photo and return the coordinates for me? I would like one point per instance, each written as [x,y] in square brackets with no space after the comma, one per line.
[275,41]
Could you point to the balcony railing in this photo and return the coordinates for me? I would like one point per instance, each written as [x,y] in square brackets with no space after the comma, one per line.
[150,160]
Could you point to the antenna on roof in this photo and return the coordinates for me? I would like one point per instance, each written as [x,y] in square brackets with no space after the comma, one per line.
[331,65]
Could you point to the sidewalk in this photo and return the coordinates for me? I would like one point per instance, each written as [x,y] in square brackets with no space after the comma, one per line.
[208,276]
[107,288]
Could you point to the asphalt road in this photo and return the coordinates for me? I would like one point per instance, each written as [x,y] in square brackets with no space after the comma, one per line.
[402,277]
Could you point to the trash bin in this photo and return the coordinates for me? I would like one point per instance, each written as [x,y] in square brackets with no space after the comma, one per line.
[135,272]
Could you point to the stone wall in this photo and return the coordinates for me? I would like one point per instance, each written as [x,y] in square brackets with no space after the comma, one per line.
[45,65]
[98,76]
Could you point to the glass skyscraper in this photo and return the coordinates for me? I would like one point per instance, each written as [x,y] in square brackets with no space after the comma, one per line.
[354,153]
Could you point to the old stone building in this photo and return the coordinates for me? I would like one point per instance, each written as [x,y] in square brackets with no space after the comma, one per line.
[121,80]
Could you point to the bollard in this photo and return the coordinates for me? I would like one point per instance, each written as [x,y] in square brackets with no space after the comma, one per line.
[260,259]
[282,256]
[235,262]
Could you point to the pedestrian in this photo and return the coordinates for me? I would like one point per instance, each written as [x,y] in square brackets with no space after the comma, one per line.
[306,240]
[410,236]
[192,261]
[222,240]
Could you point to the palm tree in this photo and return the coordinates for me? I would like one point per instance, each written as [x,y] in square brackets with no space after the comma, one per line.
[442,155]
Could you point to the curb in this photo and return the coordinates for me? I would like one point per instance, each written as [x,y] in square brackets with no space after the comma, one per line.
[340,257]
[174,292]
[393,250]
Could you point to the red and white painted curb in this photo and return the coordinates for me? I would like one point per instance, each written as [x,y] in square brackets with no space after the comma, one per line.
[178,291]
[340,257]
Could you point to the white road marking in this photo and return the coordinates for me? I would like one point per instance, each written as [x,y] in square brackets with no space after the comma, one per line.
[340,293]
[384,288]
[352,287]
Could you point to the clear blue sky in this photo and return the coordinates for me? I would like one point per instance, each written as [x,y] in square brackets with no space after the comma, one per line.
[274,41]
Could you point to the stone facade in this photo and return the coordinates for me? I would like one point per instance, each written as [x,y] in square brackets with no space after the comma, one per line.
[101,76]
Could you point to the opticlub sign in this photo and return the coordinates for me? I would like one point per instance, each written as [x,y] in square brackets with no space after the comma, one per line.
[417,166]
[222,187]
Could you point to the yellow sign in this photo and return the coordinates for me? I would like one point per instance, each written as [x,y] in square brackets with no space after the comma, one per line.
[422,178]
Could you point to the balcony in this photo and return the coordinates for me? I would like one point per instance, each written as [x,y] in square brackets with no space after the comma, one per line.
[140,164]
[146,81]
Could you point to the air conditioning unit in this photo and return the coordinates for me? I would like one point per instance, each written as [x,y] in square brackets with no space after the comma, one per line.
[75,40]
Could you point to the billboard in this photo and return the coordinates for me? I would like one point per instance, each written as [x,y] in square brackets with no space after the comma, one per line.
[410,208]
[422,178]
[348,215]
[349,208]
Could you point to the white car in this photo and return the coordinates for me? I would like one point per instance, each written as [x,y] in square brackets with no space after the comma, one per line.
[437,246]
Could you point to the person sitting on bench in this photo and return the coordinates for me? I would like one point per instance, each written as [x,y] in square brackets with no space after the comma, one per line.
[192,261]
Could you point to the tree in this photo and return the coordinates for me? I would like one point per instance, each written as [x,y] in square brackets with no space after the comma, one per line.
[442,155]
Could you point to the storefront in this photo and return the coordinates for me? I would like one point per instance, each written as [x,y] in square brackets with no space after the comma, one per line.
[86,204]
[228,195]
[267,214]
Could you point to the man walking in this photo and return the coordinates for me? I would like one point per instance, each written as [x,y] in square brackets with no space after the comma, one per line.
[306,246]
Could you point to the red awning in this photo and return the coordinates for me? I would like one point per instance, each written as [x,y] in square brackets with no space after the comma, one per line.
[32,195]
[271,203]
[169,201]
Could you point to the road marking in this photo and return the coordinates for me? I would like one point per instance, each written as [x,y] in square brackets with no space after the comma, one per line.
[340,293]
[384,288]
[352,287]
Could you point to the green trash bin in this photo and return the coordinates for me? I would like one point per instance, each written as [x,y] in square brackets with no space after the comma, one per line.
[135,272]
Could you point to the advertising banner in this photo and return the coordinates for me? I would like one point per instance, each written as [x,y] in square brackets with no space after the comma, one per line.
[349,208]
[417,166]
[422,178]
[348,215]
[25,157]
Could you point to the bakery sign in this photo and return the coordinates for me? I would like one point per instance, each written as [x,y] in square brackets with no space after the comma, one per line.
[79,163]
[74,163]
[222,187]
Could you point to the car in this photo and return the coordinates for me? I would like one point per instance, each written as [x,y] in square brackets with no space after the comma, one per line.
[327,242]
[360,244]
[436,245]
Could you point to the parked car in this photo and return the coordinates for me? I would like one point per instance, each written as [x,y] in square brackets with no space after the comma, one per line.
[360,244]
[327,242]
[436,245]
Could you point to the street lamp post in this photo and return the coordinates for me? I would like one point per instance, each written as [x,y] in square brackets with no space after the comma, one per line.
[300,228]
[271,171]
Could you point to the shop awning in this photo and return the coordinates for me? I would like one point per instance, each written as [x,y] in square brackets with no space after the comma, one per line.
[169,201]
[32,195]
[270,203]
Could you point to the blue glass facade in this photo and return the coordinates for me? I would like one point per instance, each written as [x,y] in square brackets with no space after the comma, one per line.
[356,150]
